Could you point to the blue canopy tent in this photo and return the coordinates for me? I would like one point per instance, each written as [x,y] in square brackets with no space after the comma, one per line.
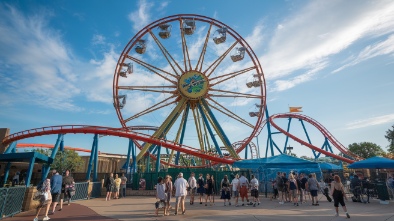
[373,163]
[329,166]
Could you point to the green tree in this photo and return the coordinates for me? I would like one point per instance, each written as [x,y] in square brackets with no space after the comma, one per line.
[366,149]
[390,137]
[69,159]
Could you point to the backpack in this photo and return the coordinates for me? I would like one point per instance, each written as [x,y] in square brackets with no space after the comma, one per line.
[279,182]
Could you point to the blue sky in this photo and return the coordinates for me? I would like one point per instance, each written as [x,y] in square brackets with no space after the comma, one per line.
[333,58]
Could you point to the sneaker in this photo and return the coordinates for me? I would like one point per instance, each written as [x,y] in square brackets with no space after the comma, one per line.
[243,204]
[336,215]
[35,219]
[200,202]
[347,215]
[237,205]
[183,213]
[46,218]
[175,214]
[258,203]
[297,204]
[229,203]
[51,213]
[254,205]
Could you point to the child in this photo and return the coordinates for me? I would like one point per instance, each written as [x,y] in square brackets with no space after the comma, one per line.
[161,195]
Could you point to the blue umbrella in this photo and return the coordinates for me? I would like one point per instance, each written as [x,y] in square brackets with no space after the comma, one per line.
[373,163]
[329,166]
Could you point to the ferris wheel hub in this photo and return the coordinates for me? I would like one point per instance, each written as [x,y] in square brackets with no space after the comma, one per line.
[193,85]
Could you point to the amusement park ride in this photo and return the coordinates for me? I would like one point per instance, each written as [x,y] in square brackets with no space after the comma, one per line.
[197,72]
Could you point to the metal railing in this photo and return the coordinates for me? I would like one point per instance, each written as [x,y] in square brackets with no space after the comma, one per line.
[11,200]
[96,190]
[81,191]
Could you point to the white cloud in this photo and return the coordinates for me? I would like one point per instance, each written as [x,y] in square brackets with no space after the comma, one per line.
[38,64]
[281,85]
[141,17]
[389,118]
[255,40]
[382,48]
[98,39]
[322,29]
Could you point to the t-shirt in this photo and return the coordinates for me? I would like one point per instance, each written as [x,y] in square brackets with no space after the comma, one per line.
[160,191]
[303,182]
[235,183]
[180,187]
[117,182]
[192,182]
[312,184]
[243,181]
[293,184]
[123,180]
[254,183]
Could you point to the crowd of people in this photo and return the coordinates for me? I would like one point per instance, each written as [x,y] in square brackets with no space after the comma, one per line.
[54,190]
[294,188]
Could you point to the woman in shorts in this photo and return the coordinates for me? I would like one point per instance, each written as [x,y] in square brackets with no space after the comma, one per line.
[208,190]
[293,189]
[109,185]
[168,184]
[200,186]
[338,193]
[225,185]
[161,195]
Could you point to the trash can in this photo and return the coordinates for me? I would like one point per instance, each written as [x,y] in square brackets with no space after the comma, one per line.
[383,194]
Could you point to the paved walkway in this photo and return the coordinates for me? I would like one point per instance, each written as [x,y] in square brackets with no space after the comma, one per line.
[142,208]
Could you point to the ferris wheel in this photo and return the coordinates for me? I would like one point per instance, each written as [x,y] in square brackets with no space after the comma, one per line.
[194,78]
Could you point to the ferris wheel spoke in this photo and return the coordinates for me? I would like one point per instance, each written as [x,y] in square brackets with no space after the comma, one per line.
[165,126]
[198,128]
[204,50]
[186,58]
[229,113]
[230,75]
[216,63]
[148,88]
[153,68]
[167,55]
[152,108]
[218,129]
[233,94]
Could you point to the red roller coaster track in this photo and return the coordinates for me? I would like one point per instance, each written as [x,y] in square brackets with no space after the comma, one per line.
[84,129]
[322,129]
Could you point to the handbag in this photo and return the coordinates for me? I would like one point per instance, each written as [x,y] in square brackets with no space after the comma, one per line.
[159,204]
[37,196]
[47,196]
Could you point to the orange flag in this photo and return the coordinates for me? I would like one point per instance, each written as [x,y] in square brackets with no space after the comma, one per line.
[295,109]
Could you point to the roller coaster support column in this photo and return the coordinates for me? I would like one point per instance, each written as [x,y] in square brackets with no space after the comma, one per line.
[307,136]
[134,157]
[10,149]
[287,138]
[47,167]
[269,139]
[326,146]
[127,163]
[147,163]
[95,161]
[246,151]
[210,131]
[158,159]
[92,157]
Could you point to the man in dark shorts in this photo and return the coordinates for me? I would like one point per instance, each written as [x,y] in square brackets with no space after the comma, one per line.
[285,191]
[254,191]
[56,188]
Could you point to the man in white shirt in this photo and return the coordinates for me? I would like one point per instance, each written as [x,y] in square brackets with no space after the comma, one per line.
[235,187]
[180,186]
[192,187]
[243,188]
[254,190]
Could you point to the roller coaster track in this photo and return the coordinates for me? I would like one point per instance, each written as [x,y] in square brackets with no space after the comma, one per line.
[322,130]
[119,132]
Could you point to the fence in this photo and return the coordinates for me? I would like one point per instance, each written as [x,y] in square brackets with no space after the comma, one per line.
[11,200]
[81,191]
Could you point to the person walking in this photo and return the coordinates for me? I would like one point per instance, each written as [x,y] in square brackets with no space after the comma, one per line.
[109,185]
[180,193]
[208,190]
[45,200]
[117,186]
[235,187]
[243,188]
[67,188]
[161,195]
[192,187]
[303,193]
[169,186]
[254,190]
[313,186]
[123,181]
[56,189]
[293,189]
[200,187]
[213,189]
[390,186]
[225,185]
[338,193]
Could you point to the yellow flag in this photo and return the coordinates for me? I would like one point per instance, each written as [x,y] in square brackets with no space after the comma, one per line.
[295,109]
